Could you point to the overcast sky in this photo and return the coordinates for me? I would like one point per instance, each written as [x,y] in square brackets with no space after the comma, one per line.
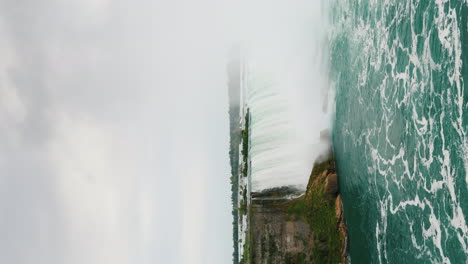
[114,133]
[114,128]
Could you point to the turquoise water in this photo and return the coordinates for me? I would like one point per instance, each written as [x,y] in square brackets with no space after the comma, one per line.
[401,129]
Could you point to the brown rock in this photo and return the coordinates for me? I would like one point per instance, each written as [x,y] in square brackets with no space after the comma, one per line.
[331,184]
[338,207]
[319,179]
[275,236]
[324,174]
[342,228]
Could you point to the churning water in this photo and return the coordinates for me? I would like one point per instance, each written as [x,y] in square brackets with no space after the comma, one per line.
[400,135]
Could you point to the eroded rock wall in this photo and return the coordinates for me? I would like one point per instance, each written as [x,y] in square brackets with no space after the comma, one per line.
[276,238]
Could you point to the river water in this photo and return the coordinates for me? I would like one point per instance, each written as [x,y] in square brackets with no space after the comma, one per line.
[400,133]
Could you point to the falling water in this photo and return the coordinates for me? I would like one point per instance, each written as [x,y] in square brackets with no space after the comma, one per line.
[283,86]
[282,148]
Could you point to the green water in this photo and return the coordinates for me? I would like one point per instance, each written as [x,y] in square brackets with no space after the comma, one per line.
[401,129]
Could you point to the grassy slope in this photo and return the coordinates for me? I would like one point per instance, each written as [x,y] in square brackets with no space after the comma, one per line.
[318,210]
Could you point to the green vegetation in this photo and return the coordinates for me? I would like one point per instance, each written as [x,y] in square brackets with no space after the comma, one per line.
[272,249]
[241,207]
[297,209]
[245,152]
[234,159]
[243,203]
[317,208]
[299,258]
[236,135]
[235,138]
[245,143]
[247,254]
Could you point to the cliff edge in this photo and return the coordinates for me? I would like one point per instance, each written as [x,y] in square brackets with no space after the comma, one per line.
[308,229]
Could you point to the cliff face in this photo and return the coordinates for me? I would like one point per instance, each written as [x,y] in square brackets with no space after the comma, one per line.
[276,237]
[324,213]
[309,229]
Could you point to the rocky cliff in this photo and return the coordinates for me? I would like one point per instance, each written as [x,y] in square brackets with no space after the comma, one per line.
[308,229]
[276,237]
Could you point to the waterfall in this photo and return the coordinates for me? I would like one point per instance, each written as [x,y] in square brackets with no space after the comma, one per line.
[282,148]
